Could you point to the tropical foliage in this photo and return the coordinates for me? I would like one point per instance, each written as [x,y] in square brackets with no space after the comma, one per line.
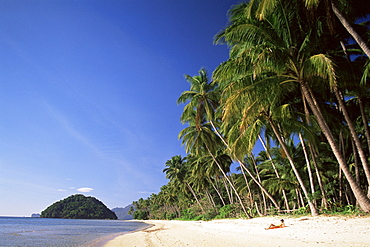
[296,84]
[78,207]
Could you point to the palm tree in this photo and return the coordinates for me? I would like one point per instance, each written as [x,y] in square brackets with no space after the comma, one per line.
[177,172]
[202,98]
[202,140]
[198,137]
[279,49]
[361,7]
[353,10]
[275,170]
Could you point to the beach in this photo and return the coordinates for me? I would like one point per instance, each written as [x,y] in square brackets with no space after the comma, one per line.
[302,231]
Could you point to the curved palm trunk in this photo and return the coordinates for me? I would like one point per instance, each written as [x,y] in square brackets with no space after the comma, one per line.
[249,188]
[218,192]
[354,137]
[364,120]
[257,209]
[246,169]
[275,170]
[210,199]
[259,184]
[351,30]
[232,186]
[364,202]
[259,180]
[313,209]
[195,196]
[228,192]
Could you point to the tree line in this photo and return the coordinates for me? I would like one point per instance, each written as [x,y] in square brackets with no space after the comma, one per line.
[297,84]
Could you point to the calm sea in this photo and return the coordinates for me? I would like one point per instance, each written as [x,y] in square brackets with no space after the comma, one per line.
[35,232]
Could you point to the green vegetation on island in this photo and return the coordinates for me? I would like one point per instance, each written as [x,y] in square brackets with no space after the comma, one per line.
[295,85]
[78,207]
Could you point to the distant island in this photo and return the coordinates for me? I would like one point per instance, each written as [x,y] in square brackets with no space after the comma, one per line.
[123,213]
[78,207]
[35,215]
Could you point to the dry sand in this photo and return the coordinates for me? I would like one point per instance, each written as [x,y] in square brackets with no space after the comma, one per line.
[304,231]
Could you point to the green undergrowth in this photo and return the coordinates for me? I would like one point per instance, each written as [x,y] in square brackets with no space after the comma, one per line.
[233,212]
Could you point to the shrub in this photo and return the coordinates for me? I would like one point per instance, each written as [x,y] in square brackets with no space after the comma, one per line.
[226,211]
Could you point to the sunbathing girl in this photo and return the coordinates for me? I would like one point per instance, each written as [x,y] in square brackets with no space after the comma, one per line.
[272,226]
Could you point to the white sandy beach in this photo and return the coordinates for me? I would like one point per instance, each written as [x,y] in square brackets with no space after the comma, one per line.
[304,231]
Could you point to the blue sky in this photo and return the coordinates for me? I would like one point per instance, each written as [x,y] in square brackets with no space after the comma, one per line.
[88,94]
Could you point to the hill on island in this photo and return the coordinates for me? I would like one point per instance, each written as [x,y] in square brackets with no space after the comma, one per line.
[78,207]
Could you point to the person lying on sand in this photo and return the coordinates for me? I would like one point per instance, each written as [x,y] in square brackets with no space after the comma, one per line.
[272,226]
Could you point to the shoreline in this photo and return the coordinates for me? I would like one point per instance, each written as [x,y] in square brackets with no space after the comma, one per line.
[101,242]
[303,231]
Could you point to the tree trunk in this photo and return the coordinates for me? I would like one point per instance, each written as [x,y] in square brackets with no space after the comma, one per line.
[307,163]
[246,169]
[298,198]
[249,188]
[351,30]
[313,209]
[357,172]
[364,202]
[218,193]
[355,161]
[323,194]
[313,155]
[259,184]
[259,180]
[210,199]
[364,120]
[354,135]
[301,197]
[258,210]
[232,186]
[275,170]
[229,194]
[195,196]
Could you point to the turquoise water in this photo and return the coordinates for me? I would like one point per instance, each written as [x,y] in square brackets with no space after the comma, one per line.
[40,232]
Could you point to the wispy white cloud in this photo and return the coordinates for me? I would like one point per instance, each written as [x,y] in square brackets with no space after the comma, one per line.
[85,189]
[62,190]
[69,128]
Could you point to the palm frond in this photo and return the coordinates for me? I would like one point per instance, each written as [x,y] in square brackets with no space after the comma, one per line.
[322,66]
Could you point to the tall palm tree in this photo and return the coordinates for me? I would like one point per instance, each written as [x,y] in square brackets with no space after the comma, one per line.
[199,138]
[354,10]
[281,48]
[202,98]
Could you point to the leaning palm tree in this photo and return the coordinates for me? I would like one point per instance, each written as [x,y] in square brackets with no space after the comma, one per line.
[283,49]
[353,10]
[200,141]
[203,102]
